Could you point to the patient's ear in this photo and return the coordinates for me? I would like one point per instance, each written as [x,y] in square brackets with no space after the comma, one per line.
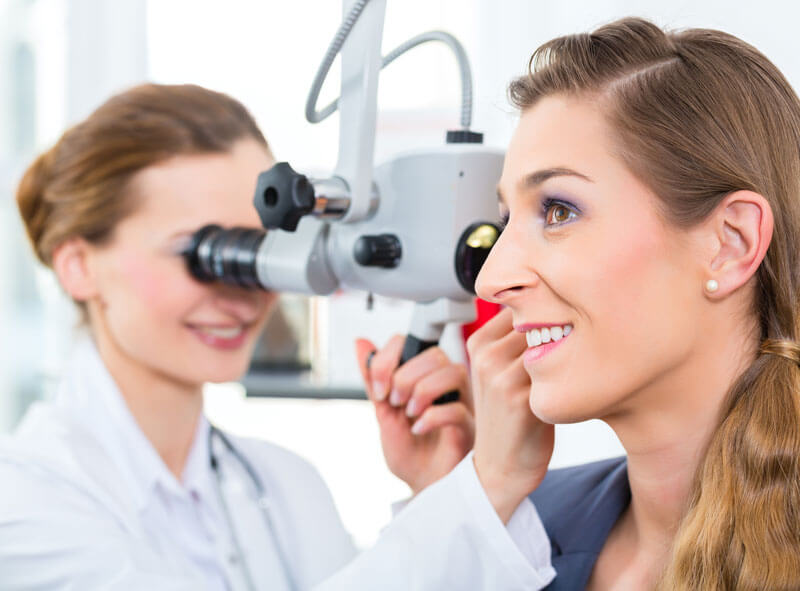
[71,263]
[739,232]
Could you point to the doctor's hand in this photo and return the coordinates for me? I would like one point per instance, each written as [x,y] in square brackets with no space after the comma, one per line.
[512,446]
[421,441]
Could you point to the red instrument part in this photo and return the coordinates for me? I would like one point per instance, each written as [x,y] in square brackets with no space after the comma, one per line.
[486,311]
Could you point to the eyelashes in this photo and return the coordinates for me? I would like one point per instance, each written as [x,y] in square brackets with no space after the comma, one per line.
[563,212]
[557,212]
[504,220]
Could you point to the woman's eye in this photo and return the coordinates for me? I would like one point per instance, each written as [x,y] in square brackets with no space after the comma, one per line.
[558,213]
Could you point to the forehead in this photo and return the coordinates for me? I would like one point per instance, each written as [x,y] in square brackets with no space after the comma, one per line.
[559,132]
[189,191]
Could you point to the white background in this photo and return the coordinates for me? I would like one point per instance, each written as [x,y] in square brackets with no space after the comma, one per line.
[265,54]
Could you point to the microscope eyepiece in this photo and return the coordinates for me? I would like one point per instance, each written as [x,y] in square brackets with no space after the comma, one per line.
[229,256]
[472,250]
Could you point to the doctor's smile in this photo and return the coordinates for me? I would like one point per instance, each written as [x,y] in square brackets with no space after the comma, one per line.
[222,336]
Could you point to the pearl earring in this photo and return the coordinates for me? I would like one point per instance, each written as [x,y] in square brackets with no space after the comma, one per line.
[712,285]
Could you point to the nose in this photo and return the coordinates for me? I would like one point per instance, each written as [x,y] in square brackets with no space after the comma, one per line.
[243,304]
[505,273]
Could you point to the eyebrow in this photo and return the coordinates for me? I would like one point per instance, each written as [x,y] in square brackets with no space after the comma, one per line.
[535,179]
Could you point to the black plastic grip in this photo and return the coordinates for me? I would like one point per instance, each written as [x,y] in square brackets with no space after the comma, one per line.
[413,347]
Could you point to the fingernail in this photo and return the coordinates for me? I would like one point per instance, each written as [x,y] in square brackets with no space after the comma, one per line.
[394,398]
[411,408]
[417,427]
[378,390]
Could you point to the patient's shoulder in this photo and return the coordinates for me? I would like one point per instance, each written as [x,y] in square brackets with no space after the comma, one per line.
[584,476]
[563,488]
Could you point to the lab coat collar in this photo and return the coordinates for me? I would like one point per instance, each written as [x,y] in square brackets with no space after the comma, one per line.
[89,392]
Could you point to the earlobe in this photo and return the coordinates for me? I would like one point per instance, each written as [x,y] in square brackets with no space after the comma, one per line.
[742,225]
[71,266]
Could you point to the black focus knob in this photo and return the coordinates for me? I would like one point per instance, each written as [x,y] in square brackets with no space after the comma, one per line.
[382,250]
[282,197]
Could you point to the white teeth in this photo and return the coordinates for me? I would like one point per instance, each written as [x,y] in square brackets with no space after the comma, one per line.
[537,336]
[222,333]
[533,337]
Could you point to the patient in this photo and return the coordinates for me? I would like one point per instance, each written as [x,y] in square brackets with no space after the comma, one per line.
[651,269]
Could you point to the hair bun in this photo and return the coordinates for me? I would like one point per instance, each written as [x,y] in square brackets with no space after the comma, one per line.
[33,206]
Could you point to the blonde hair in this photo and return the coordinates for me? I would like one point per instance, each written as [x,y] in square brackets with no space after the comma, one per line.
[699,114]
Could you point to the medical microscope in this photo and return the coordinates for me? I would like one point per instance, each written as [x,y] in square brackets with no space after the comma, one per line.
[417,227]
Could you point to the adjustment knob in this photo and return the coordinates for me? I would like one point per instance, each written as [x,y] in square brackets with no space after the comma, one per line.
[282,197]
[382,250]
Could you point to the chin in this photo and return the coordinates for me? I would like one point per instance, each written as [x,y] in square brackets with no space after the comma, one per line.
[557,407]
[209,366]
[229,371]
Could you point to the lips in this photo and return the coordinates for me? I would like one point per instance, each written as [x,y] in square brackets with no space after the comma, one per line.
[221,337]
[222,332]
[544,335]
[543,339]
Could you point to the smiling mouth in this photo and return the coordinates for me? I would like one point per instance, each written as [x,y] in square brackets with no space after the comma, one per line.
[541,336]
[225,338]
[221,332]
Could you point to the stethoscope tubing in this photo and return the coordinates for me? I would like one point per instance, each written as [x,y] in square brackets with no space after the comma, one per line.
[262,500]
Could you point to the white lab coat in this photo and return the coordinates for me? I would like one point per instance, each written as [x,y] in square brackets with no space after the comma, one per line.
[83,506]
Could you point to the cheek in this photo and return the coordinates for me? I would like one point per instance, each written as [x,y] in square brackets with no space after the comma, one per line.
[631,325]
[269,302]
[603,277]
[626,280]
[155,287]
[146,282]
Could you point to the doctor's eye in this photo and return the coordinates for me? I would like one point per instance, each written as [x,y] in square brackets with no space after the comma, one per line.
[558,212]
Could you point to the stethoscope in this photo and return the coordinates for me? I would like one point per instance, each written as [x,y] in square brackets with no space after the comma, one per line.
[261,499]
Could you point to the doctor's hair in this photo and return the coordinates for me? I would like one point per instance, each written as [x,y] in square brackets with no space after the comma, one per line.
[81,187]
[696,115]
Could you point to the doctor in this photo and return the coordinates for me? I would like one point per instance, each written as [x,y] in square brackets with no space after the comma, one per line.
[121,482]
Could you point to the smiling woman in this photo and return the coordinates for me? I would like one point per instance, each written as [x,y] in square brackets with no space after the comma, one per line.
[149,307]
[120,258]
[650,257]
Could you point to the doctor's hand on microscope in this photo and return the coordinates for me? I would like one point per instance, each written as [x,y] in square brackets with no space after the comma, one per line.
[421,441]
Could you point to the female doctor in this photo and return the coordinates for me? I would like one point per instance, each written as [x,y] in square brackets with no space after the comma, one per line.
[121,482]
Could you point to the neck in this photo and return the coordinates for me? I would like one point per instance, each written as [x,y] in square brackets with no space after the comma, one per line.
[167,411]
[666,431]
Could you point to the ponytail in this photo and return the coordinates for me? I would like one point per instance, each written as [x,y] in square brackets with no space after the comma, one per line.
[742,530]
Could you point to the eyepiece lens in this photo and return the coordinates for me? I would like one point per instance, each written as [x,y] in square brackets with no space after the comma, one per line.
[229,256]
[472,251]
